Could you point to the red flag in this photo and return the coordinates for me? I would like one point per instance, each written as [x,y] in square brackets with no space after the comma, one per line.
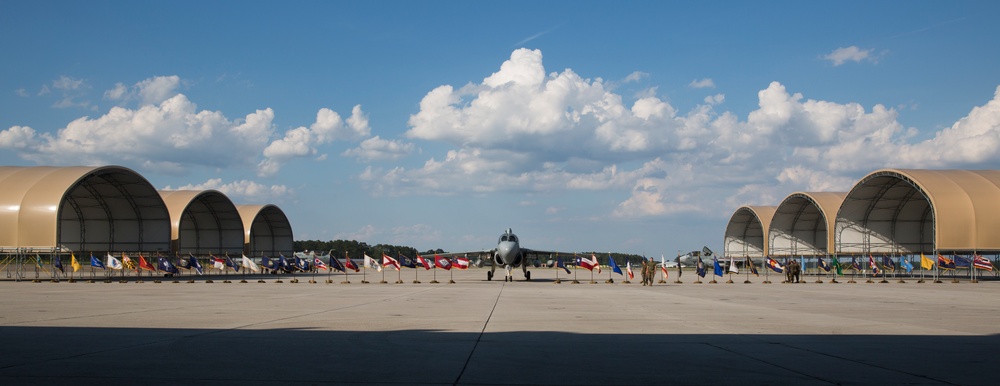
[628,268]
[350,263]
[442,263]
[462,263]
[319,264]
[143,264]
[389,262]
[421,261]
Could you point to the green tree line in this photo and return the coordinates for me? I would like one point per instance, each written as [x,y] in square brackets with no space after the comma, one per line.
[357,249]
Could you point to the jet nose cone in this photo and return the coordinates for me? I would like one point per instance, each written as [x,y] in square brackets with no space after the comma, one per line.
[506,252]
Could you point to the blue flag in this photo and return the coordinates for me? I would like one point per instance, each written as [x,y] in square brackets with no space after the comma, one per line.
[95,262]
[267,262]
[701,268]
[614,266]
[335,264]
[58,264]
[888,263]
[961,261]
[718,268]
[283,262]
[165,265]
[905,263]
[301,264]
[193,263]
[559,264]
[406,262]
[822,263]
[231,264]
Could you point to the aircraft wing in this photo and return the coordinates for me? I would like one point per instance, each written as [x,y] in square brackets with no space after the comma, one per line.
[484,252]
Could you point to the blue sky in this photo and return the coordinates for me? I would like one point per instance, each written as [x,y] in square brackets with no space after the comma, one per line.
[623,126]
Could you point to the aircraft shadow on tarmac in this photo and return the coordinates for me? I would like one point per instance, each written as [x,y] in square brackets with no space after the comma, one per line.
[91,355]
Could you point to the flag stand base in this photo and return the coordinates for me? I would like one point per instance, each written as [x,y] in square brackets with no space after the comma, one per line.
[190,281]
[851,281]
[747,282]
[36,281]
[137,281]
[328,281]
[243,281]
[819,281]
[177,281]
[54,280]
[399,282]
[434,281]
[954,280]
[626,282]
[451,282]
[593,282]
[766,282]
[729,282]
[974,281]
[224,281]
[383,282]
[278,281]
[416,282]
[312,281]
[345,282]
[884,281]
[557,281]
[294,281]
[261,281]
[920,281]
[936,281]
[72,280]
[697,282]
[901,281]
[870,281]
[209,281]
[713,282]
[678,282]
[661,282]
[834,281]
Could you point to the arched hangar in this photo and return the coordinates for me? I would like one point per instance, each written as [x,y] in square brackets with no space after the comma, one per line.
[203,222]
[81,208]
[746,233]
[267,231]
[803,224]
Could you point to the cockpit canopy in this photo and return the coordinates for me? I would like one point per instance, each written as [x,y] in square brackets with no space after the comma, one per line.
[508,236]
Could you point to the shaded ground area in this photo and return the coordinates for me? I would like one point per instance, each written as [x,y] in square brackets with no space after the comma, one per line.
[478,332]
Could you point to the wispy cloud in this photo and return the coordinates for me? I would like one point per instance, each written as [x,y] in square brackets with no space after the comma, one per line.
[702,83]
[844,54]
[536,36]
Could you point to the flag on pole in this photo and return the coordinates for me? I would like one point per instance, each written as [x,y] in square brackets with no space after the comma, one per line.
[95,262]
[905,264]
[872,265]
[589,264]
[194,263]
[113,262]
[822,263]
[462,263]
[267,262]
[371,263]
[836,264]
[301,264]
[982,263]
[752,266]
[855,265]
[348,263]
[389,262]
[319,264]
[945,263]
[961,261]
[628,269]
[231,263]
[717,269]
[663,267]
[732,266]
[247,262]
[926,263]
[218,262]
[888,264]
[127,262]
[774,265]
[143,264]
[406,261]
[165,265]
[442,263]
[700,268]
[422,262]
[614,266]
[335,264]
[560,264]
[75,264]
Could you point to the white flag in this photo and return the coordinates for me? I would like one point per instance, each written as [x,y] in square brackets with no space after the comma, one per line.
[370,263]
[732,266]
[113,263]
[250,264]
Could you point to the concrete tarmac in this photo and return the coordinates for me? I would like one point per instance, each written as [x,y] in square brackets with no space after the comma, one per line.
[496,333]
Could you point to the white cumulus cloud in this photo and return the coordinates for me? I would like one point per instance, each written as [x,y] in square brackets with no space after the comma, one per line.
[243,191]
[842,55]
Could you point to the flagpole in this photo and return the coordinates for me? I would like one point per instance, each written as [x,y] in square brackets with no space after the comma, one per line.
[346,256]
[576,267]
